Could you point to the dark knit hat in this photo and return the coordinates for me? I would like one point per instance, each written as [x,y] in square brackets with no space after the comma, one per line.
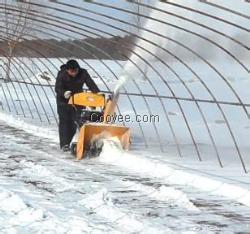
[72,64]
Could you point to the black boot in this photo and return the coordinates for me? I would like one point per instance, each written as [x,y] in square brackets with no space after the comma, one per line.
[65,148]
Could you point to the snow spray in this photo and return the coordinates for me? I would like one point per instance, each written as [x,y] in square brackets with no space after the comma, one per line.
[135,64]
[115,95]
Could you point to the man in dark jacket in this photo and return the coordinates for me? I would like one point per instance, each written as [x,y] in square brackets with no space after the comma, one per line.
[70,80]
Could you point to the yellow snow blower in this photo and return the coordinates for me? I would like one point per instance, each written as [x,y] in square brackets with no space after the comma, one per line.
[94,119]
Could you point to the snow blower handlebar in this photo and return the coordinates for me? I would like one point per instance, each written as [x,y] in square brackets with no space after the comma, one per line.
[88,99]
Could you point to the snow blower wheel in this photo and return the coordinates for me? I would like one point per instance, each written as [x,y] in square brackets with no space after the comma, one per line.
[73,148]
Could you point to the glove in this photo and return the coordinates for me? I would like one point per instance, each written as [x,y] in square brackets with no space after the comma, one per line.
[67,94]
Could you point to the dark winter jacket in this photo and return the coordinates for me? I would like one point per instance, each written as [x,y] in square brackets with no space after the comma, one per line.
[74,84]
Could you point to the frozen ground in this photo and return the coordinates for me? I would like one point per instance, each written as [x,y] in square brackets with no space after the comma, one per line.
[45,191]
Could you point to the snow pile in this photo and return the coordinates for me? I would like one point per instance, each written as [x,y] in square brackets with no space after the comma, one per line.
[71,226]
[101,204]
[16,211]
[10,202]
[19,216]
[172,196]
[33,169]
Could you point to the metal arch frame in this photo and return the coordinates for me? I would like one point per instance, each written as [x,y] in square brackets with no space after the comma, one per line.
[12,100]
[40,85]
[163,107]
[226,9]
[108,88]
[32,84]
[179,44]
[243,105]
[199,24]
[122,30]
[229,128]
[206,14]
[48,60]
[106,84]
[175,26]
[39,114]
[128,97]
[36,78]
[224,79]
[151,43]
[36,93]
[155,127]
[230,133]
[167,118]
[27,103]
[226,121]
[163,36]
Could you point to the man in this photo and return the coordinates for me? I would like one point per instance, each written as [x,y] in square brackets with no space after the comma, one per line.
[70,80]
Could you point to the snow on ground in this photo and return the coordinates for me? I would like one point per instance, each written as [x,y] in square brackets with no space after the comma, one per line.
[34,129]
[173,176]
[45,191]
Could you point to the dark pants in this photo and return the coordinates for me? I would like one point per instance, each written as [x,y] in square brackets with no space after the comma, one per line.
[67,126]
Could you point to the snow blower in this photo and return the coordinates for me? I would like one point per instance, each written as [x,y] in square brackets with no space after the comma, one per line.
[94,120]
